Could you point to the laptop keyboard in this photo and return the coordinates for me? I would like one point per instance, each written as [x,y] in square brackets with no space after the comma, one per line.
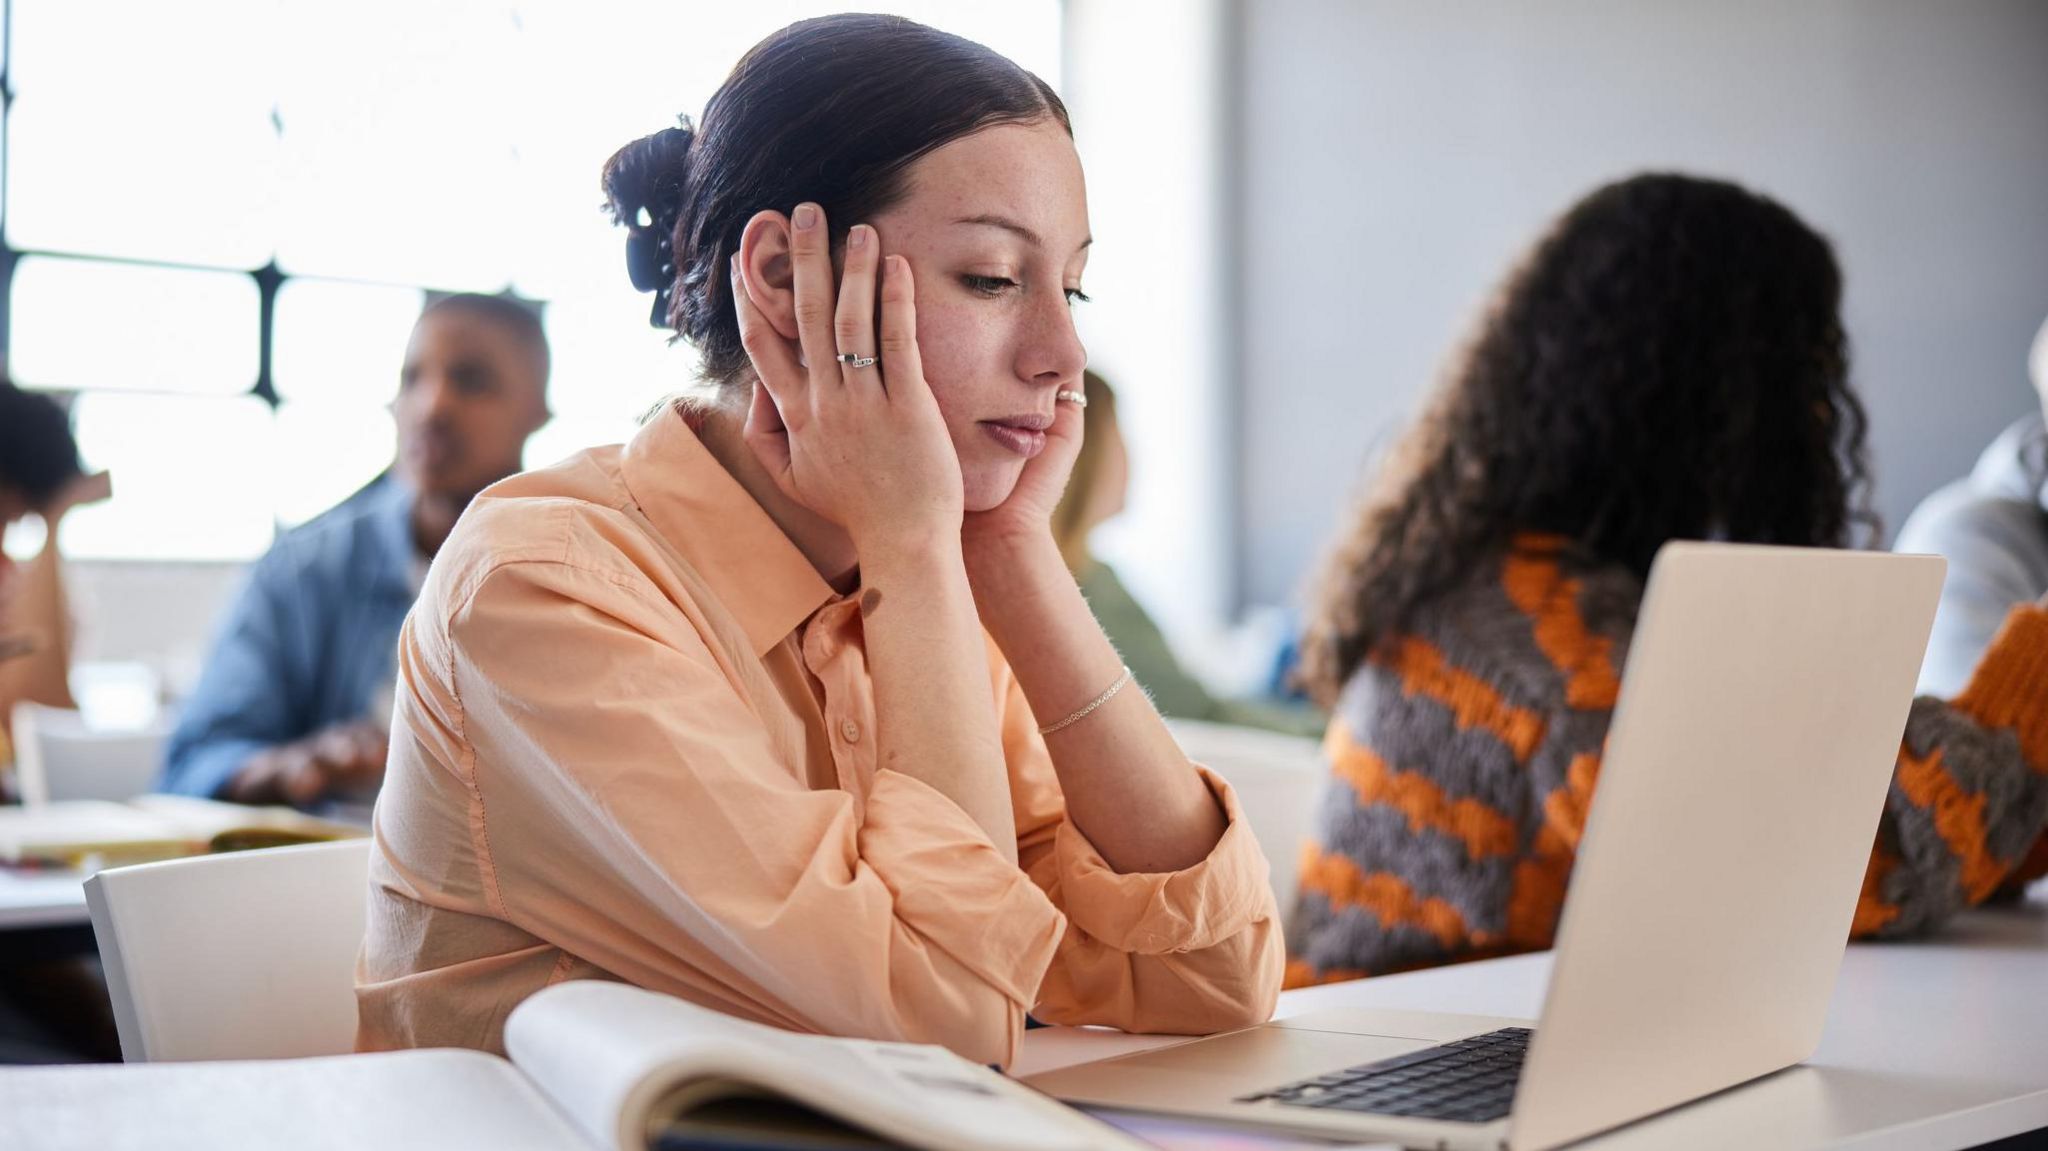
[1470,1081]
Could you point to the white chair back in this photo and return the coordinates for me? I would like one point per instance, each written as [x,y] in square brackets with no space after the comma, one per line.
[247,955]
[1276,777]
[57,756]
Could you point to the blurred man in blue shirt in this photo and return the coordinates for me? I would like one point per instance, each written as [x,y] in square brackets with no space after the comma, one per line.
[294,703]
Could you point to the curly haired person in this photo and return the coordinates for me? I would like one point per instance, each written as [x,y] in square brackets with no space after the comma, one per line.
[1668,362]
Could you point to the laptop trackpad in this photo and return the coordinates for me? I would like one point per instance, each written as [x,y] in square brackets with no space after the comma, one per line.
[1202,1077]
[1281,1054]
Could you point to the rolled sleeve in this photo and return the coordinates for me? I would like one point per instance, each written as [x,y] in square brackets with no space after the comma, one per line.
[935,861]
[1177,911]
[1186,952]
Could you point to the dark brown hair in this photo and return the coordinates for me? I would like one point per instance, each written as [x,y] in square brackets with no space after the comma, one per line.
[832,110]
[1667,362]
[37,454]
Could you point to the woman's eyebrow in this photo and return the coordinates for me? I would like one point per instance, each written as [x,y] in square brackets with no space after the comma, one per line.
[992,220]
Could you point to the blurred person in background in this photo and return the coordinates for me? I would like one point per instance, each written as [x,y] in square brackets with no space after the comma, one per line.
[53,1004]
[1668,362]
[294,703]
[39,476]
[1095,494]
[1993,527]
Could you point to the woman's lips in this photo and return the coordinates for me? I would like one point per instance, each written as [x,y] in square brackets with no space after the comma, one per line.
[1017,436]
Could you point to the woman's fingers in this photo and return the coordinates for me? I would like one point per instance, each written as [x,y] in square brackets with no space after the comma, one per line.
[774,360]
[768,436]
[853,326]
[901,364]
[810,257]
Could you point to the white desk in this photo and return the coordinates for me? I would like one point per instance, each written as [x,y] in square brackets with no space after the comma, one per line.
[41,899]
[1932,1045]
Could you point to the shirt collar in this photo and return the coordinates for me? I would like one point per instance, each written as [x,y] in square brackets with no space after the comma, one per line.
[390,515]
[755,570]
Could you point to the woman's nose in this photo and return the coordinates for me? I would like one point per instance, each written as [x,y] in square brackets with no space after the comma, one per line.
[1056,354]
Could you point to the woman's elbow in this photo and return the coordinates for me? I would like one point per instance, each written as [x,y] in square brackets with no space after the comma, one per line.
[965,1015]
[1265,967]
[1253,1002]
[1226,988]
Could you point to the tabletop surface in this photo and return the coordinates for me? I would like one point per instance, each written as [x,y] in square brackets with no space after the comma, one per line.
[1937,1043]
[41,899]
[1940,1043]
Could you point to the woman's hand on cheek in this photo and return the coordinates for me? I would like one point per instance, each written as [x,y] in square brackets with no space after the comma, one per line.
[864,446]
[1026,514]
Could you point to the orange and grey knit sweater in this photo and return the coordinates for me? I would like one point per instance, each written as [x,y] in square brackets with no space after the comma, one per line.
[1462,763]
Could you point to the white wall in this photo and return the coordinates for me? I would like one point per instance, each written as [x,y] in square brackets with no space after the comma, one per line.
[160,614]
[1397,154]
[1146,88]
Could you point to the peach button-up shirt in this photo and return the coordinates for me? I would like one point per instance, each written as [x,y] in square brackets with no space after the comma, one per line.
[634,739]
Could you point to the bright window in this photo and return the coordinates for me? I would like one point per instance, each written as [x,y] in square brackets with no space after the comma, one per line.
[341,343]
[223,164]
[190,476]
[94,325]
[153,142]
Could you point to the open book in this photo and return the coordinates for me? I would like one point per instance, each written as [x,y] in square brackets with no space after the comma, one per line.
[595,1065]
[100,833]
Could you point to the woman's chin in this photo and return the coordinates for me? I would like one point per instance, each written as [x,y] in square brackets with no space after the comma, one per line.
[987,487]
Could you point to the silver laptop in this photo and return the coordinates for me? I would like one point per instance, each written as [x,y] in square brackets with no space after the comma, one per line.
[1761,709]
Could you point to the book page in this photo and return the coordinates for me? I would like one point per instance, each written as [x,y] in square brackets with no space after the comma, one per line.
[620,1060]
[200,820]
[446,1100]
[71,832]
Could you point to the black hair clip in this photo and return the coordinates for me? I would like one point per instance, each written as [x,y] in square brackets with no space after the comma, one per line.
[644,259]
[652,269]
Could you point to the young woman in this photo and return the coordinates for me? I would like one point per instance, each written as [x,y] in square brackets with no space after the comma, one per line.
[39,475]
[790,707]
[1668,362]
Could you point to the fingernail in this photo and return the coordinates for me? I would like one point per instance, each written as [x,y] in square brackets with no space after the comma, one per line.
[806,217]
[858,238]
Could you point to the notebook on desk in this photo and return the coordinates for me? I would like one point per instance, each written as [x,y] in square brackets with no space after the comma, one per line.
[594,1065]
[92,832]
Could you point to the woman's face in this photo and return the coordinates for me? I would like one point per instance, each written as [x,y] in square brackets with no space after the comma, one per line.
[995,228]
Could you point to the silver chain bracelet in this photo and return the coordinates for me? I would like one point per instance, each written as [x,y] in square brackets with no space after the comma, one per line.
[1098,701]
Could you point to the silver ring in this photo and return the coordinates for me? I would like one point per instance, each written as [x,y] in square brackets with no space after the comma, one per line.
[1078,399]
[853,361]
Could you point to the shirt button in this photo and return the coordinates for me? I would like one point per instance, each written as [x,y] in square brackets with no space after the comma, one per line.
[850,730]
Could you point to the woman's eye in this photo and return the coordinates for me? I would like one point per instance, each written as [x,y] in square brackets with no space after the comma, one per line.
[989,285]
[1002,285]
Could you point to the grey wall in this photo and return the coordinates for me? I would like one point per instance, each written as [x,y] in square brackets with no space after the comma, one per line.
[1398,154]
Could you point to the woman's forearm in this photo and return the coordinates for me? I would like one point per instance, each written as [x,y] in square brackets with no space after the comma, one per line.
[934,705]
[1128,787]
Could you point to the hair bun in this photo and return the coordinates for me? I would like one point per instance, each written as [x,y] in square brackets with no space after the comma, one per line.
[643,186]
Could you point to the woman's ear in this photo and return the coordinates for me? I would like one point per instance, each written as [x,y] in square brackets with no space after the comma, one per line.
[765,273]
